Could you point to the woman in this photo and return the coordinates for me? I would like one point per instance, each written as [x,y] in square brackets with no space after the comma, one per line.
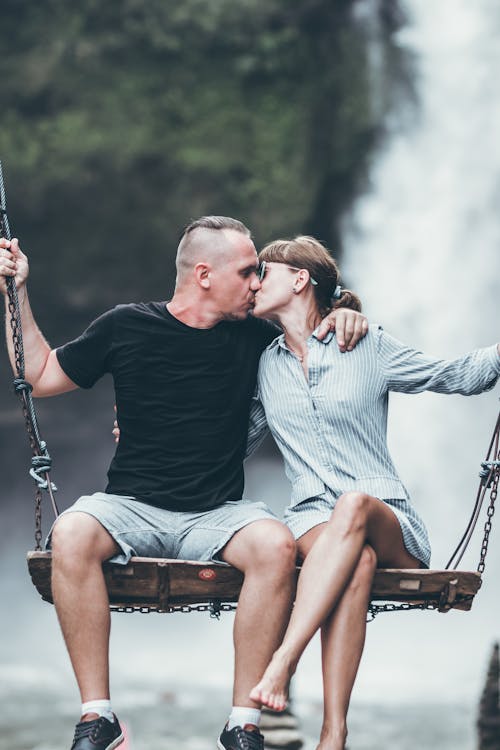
[349,511]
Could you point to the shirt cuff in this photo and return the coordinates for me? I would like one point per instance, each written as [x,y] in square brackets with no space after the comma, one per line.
[494,357]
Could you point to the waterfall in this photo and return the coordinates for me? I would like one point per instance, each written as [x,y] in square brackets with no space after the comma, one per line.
[422,248]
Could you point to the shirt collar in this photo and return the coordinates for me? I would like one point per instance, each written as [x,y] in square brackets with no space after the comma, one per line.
[279,342]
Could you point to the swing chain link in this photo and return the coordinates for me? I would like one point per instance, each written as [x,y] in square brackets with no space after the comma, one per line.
[40,458]
[489,515]
[376,609]
[14,324]
[214,608]
[490,477]
[23,390]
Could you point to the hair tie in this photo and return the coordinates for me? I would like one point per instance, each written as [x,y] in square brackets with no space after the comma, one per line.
[337,293]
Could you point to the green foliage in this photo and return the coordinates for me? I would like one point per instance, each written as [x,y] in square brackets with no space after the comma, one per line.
[123,120]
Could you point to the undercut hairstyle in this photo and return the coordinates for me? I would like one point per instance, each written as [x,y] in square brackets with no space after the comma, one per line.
[217,223]
[204,239]
[308,253]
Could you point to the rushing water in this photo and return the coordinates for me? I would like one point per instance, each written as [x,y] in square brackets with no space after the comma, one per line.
[423,250]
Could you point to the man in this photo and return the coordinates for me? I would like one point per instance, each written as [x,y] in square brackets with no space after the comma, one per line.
[184,375]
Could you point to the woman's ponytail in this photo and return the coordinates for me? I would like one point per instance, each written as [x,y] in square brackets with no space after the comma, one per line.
[345,298]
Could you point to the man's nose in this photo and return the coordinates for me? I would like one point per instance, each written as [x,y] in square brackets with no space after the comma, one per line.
[255,283]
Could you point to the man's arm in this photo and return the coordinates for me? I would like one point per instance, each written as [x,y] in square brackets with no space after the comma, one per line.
[349,326]
[42,369]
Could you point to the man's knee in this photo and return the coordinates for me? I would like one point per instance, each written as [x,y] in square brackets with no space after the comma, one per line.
[278,548]
[269,545]
[80,535]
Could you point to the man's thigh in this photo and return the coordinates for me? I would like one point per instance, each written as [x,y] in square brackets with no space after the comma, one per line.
[137,529]
[207,535]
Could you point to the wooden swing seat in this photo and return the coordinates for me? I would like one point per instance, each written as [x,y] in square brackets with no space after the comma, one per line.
[155,584]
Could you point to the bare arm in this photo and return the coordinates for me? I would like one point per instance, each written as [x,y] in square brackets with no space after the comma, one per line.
[42,368]
[349,326]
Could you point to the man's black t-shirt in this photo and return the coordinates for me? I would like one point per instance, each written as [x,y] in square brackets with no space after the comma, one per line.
[183,397]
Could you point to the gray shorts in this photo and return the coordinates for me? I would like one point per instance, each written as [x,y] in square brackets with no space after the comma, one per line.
[145,531]
[304,516]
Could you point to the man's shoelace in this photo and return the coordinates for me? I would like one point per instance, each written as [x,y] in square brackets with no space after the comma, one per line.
[249,740]
[88,729]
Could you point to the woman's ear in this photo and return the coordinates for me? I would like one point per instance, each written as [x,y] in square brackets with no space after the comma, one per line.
[301,280]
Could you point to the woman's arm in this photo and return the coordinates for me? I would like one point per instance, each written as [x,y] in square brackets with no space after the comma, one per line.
[257,426]
[411,371]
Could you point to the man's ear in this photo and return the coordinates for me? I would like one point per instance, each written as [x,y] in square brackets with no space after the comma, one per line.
[202,274]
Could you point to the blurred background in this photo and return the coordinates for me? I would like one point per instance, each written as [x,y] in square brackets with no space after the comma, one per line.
[372,124]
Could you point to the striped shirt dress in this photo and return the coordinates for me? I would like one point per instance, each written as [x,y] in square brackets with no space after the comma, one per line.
[332,428]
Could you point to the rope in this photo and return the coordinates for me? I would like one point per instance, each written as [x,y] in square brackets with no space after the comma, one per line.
[41,461]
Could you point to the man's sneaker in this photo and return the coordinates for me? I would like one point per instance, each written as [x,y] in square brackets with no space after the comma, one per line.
[240,739]
[98,734]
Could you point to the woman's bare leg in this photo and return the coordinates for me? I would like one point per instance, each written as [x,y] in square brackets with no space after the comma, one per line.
[357,519]
[342,642]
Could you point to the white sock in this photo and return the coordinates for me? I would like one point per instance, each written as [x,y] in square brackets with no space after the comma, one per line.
[241,715]
[101,707]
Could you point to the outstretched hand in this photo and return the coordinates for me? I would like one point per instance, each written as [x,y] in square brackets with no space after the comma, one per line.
[349,326]
[13,263]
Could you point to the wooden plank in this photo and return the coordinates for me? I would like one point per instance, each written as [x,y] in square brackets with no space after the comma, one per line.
[192,582]
[422,584]
[158,583]
[143,583]
[39,566]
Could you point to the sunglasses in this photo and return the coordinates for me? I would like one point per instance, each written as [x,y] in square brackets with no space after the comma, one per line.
[263,267]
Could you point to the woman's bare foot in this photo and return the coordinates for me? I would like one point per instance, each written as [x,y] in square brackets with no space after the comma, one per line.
[333,739]
[272,690]
[328,746]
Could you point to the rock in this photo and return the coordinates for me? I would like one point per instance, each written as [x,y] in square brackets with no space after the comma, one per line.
[488,722]
[281,730]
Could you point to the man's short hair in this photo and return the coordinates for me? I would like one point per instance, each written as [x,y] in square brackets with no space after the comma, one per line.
[216,222]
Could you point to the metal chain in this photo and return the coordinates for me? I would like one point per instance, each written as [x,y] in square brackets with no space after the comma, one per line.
[376,609]
[34,439]
[214,608]
[41,461]
[489,513]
